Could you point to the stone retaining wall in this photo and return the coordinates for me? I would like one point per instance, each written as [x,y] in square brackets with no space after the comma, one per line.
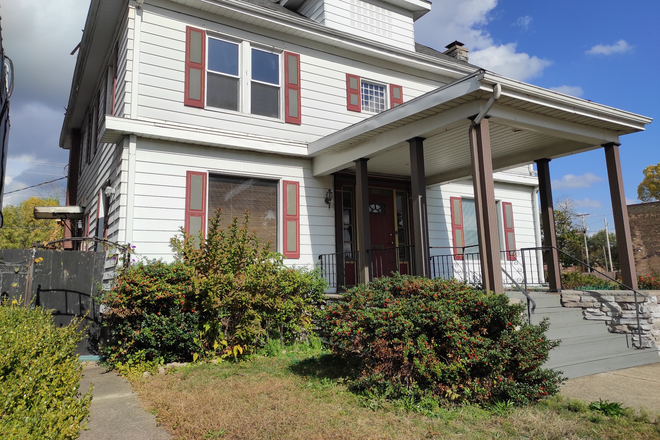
[617,309]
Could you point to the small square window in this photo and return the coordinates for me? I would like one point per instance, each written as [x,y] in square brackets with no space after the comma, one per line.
[373,97]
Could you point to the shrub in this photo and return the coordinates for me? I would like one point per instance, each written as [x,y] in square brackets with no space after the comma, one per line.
[583,281]
[39,375]
[648,282]
[244,292]
[415,338]
[151,316]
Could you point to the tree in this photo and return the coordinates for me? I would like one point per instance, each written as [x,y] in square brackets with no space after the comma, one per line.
[569,235]
[598,250]
[21,230]
[649,189]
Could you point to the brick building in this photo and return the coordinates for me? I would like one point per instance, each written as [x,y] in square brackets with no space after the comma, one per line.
[645,232]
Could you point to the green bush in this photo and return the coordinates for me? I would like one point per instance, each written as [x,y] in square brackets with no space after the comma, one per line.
[151,315]
[39,375]
[583,281]
[419,339]
[648,282]
[244,292]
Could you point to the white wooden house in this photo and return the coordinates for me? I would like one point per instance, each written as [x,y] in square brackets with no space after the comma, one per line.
[348,142]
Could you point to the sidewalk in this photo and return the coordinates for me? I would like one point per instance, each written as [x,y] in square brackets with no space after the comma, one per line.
[115,412]
[637,387]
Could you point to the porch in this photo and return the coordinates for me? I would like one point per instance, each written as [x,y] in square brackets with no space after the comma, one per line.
[469,128]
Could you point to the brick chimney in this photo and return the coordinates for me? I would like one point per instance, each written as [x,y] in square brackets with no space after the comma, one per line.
[456,50]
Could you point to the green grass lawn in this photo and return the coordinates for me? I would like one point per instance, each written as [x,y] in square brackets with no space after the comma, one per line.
[300,394]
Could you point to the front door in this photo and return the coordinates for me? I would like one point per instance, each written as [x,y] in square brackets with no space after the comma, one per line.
[381,221]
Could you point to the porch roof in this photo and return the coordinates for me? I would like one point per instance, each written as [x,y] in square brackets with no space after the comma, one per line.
[526,123]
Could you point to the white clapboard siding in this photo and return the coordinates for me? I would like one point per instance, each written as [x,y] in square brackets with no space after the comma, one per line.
[160,191]
[323,81]
[381,22]
[439,211]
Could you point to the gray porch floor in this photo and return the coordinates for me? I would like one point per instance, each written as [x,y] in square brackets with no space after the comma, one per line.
[587,347]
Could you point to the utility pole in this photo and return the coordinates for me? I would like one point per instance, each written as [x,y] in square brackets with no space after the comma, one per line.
[584,233]
[609,251]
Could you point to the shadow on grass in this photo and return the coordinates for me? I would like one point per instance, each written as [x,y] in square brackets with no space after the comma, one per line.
[324,366]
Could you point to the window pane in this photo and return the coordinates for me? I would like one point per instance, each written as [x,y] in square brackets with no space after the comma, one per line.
[265,67]
[223,57]
[373,97]
[265,100]
[470,224]
[235,195]
[222,91]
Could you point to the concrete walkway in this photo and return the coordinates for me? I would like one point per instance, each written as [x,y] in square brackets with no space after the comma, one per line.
[637,387]
[116,412]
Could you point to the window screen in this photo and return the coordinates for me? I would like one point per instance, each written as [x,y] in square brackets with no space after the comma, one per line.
[222,79]
[470,224]
[235,195]
[373,97]
[265,96]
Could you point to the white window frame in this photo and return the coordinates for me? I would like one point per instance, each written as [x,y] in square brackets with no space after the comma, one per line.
[386,100]
[245,76]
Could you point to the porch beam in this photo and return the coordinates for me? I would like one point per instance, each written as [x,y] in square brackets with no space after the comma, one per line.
[548,216]
[620,212]
[328,162]
[363,269]
[484,198]
[420,215]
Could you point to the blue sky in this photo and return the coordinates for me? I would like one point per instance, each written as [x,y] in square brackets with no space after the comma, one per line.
[606,51]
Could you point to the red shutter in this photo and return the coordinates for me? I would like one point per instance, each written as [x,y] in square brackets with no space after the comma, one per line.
[353,102]
[509,233]
[195,67]
[195,203]
[396,95]
[292,88]
[291,247]
[457,226]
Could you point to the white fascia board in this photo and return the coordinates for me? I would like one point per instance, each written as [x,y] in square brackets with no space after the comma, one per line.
[418,7]
[424,102]
[336,160]
[551,126]
[570,104]
[114,128]
[303,27]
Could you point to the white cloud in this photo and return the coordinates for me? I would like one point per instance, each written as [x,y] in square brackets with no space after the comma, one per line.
[587,203]
[570,181]
[465,21]
[603,49]
[523,22]
[569,90]
[506,61]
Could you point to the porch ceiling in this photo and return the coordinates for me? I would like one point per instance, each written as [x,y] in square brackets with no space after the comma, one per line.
[526,123]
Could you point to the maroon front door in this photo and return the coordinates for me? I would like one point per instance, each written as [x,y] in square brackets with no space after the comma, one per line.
[381,223]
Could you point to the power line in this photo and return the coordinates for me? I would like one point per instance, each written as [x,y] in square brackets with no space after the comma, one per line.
[34,186]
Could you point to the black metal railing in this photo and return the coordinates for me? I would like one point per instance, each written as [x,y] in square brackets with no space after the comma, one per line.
[338,269]
[461,263]
[399,259]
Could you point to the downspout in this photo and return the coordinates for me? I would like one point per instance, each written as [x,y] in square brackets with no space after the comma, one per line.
[497,92]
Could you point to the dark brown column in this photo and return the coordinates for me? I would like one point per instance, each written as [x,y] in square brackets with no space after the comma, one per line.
[420,216]
[620,212]
[363,269]
[72,186]
[484,198]
[548,219]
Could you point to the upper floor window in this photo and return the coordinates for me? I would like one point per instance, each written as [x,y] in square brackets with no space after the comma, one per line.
[374,98]
[237,76]
[369,96]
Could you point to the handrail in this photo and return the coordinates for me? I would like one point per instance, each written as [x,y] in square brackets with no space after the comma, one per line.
[524,292]
[593,269]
